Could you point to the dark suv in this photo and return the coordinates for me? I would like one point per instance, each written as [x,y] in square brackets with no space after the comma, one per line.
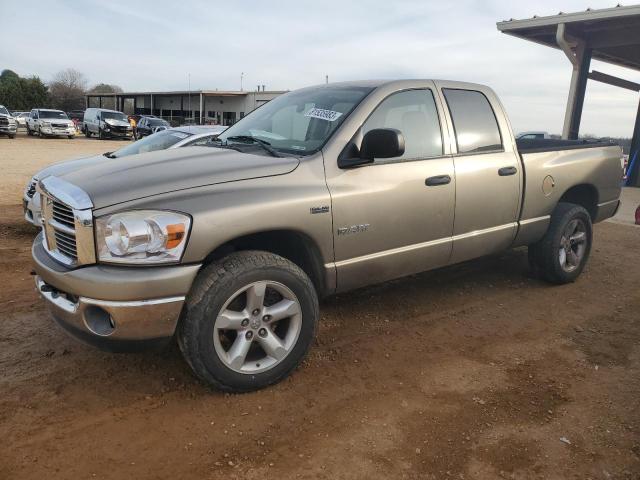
[148,125]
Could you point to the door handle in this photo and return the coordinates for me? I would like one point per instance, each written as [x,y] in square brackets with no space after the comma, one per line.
[437,180]
[506,171]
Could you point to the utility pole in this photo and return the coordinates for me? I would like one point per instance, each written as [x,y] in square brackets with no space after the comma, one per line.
[326,79]
[241,78]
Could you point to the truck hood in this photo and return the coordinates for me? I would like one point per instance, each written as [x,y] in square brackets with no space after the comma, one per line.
[109,181]
[116,123]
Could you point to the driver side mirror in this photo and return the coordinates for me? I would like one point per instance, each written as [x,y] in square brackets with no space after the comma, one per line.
[377,143]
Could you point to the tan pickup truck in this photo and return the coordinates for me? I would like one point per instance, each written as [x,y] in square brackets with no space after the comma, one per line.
[228,247]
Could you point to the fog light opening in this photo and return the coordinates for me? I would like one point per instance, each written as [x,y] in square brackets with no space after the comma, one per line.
[99,321]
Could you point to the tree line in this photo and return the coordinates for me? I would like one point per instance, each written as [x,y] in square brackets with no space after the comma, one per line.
[65,91]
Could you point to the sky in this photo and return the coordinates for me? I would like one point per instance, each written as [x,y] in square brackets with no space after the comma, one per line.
[155,45]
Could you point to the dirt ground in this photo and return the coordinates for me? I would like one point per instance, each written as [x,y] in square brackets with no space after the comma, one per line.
[23,156]
[471,372]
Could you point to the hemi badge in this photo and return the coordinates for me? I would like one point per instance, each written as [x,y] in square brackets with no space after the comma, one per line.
[324,209]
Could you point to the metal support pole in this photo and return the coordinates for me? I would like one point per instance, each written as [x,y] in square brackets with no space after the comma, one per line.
[201,106]
[580,57]
[151,95]
[633,175]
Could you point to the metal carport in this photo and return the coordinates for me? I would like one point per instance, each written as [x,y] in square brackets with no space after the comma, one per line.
[611,35]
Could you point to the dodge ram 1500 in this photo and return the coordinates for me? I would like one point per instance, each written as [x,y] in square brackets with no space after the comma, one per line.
[322,190]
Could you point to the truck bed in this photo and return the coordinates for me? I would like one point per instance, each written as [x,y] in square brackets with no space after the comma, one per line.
[536,145]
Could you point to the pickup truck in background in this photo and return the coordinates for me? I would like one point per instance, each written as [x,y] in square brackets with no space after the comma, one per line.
[8,124]
[321,190]
[50,123]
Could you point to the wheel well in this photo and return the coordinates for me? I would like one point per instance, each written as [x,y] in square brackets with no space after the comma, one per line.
[584,195]
[294,246]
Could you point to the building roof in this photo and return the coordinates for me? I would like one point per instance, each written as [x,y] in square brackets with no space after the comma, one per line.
[613,34]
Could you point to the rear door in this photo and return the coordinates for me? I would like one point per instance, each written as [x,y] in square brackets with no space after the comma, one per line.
[487,169]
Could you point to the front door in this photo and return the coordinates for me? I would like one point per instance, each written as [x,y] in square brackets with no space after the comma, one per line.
[389,219]
[488,174]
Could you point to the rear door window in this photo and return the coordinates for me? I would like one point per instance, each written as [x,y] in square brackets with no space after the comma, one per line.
[474,121]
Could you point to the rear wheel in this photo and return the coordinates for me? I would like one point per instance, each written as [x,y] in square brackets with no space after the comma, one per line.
[564,250]
[100,134]
[249,321]
[29,131]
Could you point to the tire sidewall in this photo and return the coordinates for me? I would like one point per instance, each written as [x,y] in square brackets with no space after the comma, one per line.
[211,305]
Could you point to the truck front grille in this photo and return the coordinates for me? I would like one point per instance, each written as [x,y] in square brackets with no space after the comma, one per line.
[66,244]
[68,230]
[4,121]
[63,214]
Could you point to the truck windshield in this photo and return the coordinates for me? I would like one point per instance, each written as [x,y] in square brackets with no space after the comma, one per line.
[3,110]
[157,141]
[298,122]
[52,114]
[114,116]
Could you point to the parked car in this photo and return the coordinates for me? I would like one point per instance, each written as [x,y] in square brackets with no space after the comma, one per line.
[106,124]
[77,115]
[532,135]
[322,190]
[148,125]
[8,124]
[187,136]
[49,123]
[21,119]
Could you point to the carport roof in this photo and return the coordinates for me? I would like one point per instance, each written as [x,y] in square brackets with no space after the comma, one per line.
[613,34]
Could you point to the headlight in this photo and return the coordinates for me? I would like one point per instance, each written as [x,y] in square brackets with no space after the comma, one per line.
[142,236]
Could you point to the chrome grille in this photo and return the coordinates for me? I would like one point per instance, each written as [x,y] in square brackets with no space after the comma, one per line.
[66,244]
[67,222]
[4,121]
[63,214]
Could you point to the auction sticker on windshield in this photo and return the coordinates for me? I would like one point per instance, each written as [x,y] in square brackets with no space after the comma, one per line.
[329,115]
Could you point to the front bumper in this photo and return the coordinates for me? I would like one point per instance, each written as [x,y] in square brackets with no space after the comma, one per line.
[57,131]
[8,129]
[114,308]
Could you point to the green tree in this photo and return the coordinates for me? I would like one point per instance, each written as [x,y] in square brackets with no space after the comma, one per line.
[20,93]
[106,88]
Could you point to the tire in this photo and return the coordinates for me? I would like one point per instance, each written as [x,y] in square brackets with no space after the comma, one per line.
[221,286]
[71,137]
[564,250]
[87,133]
[100,134]
[29,131]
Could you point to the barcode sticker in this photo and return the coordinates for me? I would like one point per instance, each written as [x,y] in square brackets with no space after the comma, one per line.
[328,115]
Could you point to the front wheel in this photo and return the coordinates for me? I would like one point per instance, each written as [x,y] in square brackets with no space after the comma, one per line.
[248,321]
[563,252]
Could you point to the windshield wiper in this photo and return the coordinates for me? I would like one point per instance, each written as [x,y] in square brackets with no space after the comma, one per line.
[257,141]
[109,155]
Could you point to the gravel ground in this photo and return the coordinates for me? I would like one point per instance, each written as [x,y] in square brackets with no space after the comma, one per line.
[23,156]
[476,371]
